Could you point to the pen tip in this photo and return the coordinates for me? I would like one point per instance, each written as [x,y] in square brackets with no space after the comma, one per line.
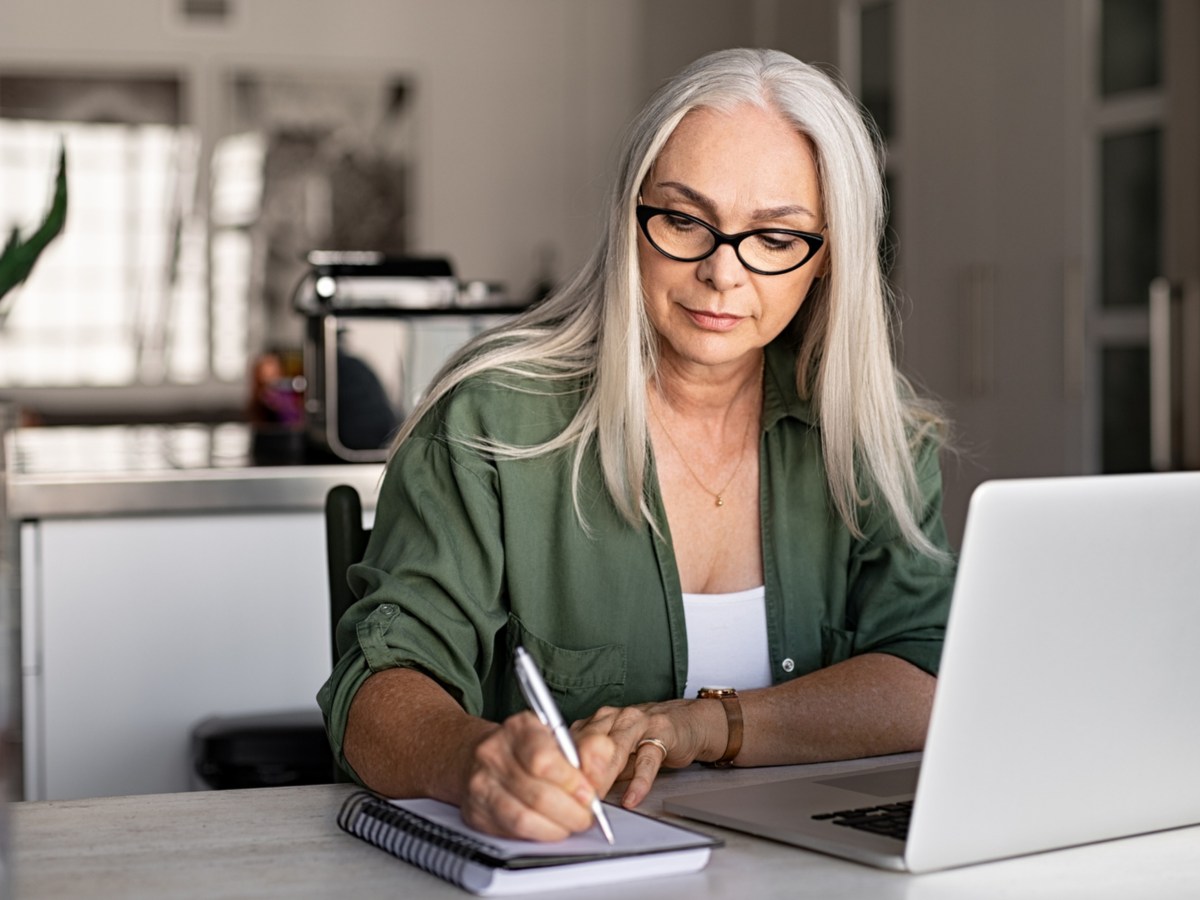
[605,827]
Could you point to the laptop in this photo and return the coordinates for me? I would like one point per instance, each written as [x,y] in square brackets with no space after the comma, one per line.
[1066,709]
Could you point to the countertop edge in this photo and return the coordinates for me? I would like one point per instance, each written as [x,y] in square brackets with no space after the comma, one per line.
[174,492]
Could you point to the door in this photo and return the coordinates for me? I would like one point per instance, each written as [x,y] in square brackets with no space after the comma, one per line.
[1043,156]
[1140,276]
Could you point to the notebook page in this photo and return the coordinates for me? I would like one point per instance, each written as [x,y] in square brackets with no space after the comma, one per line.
[634,834]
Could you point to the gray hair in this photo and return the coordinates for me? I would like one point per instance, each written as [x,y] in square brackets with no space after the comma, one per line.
[595,327]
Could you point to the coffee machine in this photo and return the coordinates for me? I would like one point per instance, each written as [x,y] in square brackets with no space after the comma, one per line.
[377,330]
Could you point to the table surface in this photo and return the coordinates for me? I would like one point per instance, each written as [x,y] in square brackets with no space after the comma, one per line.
[284,842]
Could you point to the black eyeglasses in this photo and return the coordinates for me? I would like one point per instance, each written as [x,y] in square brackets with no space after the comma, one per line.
[764,251]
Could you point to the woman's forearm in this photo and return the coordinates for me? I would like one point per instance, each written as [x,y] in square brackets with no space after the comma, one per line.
[406,737]
[865,706]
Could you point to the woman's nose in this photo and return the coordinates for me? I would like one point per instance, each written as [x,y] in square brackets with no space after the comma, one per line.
[723,270]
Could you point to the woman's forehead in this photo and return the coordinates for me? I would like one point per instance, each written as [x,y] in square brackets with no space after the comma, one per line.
[746,156]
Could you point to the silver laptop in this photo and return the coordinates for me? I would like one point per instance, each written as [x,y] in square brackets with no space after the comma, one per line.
[1066,709]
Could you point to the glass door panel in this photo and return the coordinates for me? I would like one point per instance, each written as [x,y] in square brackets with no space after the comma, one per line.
[1130,46]
[877,81]
[1125,393]
[1131,216]
[1126,132]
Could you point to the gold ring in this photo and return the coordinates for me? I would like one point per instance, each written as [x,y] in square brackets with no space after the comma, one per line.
[655,741]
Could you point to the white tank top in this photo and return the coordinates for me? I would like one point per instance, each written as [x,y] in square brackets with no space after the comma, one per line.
[727,640]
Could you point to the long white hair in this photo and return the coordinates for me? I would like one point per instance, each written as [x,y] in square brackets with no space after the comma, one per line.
[595,328]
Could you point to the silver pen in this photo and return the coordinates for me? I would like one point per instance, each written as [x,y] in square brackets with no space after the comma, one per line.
[537,695]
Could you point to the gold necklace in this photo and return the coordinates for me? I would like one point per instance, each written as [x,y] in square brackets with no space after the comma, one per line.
[718,495]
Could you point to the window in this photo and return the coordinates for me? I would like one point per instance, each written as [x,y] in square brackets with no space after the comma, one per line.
[120,297]
[184,241]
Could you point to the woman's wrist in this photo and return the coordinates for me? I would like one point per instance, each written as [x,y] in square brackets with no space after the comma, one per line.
[732,705]
[712,729]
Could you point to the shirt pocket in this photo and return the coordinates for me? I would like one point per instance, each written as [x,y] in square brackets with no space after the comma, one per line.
[581,680]
[837,644]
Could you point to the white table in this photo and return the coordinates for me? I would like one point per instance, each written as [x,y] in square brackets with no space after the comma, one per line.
[283,842]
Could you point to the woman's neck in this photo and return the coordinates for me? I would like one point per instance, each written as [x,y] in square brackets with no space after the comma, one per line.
[700,392]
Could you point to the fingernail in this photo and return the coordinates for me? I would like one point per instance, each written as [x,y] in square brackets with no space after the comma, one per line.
[584,795]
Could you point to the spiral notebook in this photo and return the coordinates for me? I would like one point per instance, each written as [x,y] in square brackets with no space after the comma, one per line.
[432,835]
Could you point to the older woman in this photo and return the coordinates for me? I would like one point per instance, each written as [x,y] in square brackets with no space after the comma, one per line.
[694,465]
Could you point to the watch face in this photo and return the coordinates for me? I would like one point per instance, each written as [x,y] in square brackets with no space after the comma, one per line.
[722,691]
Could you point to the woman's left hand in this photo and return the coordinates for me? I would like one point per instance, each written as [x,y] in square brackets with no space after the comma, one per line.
[647,737]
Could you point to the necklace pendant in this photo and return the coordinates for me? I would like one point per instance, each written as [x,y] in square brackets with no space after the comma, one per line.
[720,502]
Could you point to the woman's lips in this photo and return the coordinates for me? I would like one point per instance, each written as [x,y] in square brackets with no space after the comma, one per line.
[713,321]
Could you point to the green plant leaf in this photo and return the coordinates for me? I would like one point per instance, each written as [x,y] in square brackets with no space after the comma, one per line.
[19,255]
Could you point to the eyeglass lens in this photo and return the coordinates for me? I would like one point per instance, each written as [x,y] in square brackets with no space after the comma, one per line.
[768,251]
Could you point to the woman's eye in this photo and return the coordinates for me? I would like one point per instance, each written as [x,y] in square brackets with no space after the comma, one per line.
[679,223]
[776,243]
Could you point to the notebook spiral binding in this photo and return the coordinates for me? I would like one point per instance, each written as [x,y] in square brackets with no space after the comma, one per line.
[424,844]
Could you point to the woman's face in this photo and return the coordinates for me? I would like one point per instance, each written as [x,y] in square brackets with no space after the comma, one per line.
[737,170]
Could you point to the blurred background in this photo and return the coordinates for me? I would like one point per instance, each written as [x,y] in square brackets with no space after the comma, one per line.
[1043,163]
[1041,156]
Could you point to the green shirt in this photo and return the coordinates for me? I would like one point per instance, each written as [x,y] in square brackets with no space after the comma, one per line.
[471,556]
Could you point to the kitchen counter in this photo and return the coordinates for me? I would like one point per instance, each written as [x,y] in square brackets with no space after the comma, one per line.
[191,577]
[69,472]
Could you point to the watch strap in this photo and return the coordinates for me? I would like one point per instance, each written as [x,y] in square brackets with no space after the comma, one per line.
[733,720]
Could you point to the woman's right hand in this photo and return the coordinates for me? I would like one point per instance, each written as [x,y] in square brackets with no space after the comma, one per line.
[407,737]
[519,783]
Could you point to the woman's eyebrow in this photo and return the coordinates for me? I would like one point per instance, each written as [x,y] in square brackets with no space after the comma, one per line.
[710,208]
[692,195]
[779,212]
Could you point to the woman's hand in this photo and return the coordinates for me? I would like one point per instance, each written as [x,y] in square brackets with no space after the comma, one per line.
[519,783]
[647,737]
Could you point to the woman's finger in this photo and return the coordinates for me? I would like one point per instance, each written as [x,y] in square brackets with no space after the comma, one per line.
[606,745]
[498,812]
[648,758]
[522,785]
[625,726]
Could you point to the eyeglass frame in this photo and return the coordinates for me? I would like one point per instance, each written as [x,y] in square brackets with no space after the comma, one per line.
[645,213]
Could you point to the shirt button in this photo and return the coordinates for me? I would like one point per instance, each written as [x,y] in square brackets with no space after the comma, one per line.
[788,664]
[387,609]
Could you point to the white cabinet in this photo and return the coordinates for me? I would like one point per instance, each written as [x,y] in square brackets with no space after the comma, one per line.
[135,628]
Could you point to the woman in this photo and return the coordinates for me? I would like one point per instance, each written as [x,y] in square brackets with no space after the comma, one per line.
[695,464]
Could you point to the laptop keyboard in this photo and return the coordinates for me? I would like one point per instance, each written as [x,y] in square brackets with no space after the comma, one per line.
[888,819]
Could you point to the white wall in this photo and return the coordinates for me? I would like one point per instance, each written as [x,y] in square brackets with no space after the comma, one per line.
[519,102]
[985,233]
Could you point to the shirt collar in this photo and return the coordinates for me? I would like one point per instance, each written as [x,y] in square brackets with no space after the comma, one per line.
[780,397]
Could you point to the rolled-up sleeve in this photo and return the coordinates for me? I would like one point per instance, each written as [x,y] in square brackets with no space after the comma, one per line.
[898,598]
[430,581]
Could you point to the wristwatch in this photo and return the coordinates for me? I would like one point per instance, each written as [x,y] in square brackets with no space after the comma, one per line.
[733,717]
